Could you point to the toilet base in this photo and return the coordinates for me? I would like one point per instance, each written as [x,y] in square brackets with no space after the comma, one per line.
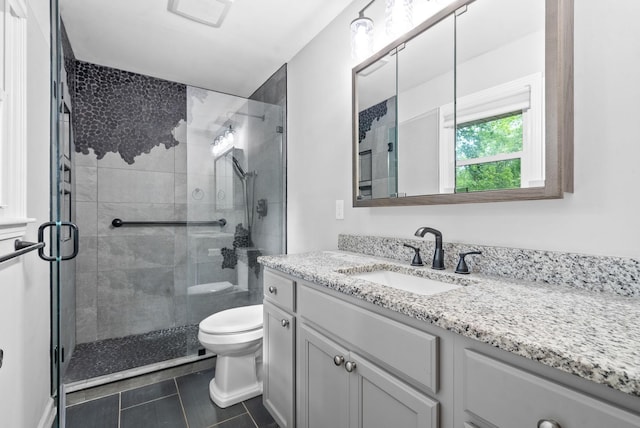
[237,379]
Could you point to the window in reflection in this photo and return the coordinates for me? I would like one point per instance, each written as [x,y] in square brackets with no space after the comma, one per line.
[488,153]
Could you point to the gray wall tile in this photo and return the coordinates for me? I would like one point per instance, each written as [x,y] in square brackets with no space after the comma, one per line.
[213,272]
[121,185]
[201,306]
[87,218]
[89,159]
[158,159]
[86,183]
[86,307]
[87,260]
[118,252]
[86,325]
[134,301]
[180,189]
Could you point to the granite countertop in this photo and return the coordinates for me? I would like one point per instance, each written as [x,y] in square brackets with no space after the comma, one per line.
[594,335]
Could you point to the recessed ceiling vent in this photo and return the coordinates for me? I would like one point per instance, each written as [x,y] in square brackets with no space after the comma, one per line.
[207,12]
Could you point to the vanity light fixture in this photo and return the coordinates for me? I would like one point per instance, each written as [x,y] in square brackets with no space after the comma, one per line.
[362,35]
[398,17]
[223,142]
[207,12]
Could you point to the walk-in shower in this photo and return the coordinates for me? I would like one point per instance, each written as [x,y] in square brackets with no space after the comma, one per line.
[145,154]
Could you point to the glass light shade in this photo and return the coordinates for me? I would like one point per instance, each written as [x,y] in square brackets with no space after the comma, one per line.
[398,17]
[361,38]
[229,137]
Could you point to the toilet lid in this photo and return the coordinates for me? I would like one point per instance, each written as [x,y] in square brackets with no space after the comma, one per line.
[234,320]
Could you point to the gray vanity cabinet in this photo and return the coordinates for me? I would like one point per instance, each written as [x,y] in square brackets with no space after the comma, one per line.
[279,348]
[354,367]
[339,388]
[497,394]
[360,367]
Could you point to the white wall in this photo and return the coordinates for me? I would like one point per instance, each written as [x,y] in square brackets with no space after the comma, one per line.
[24,283]
[599,218]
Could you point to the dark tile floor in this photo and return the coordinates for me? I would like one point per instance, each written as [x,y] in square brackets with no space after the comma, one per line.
[181,402]
[109,356]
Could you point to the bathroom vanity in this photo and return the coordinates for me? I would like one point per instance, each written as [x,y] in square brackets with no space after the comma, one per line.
[341,351]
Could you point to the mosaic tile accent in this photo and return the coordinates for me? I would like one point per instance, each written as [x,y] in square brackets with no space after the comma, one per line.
[109,356]
[69,59]
[241,239]
[126,113]
[367,116]
[595,273]
[591,335]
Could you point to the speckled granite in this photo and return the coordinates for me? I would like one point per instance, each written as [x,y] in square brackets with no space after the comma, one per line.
[592,335]
[611,274]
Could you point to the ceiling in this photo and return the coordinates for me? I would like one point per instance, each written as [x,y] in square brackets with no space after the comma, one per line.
[142,36]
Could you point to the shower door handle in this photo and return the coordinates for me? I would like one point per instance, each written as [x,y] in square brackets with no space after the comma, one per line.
[58,225]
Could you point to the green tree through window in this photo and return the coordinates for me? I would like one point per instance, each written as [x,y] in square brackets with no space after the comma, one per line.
[477,142]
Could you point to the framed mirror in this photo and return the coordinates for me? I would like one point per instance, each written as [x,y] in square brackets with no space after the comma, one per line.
[473,105]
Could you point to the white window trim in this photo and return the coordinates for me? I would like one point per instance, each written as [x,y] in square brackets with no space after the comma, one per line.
[525,94]
[13,121]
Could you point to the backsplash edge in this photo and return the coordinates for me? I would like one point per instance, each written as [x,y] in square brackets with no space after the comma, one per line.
[617,275]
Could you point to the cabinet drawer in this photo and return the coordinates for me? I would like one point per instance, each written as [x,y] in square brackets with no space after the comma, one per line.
[409,352]
[279,290]
[507,397]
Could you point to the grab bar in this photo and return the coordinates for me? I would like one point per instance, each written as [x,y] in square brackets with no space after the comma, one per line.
[118,223]
[22,247]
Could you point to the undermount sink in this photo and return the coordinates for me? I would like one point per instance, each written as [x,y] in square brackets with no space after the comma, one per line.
[401,281]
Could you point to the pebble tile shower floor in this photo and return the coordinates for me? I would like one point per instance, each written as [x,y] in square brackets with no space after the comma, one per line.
[181,402]
[109,356]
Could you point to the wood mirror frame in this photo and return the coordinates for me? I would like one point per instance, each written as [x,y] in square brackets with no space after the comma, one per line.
[558,115]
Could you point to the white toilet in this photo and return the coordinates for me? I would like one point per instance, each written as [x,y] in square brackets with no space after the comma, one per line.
[235,335]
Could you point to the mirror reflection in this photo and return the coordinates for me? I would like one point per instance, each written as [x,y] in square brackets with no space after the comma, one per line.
[377,123]
[499,139]
[413,139]
[425,83]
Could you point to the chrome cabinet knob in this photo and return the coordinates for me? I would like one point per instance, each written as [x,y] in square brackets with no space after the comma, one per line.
[272,289]
[548,423]
[349,366]
[284,323]
[338,360]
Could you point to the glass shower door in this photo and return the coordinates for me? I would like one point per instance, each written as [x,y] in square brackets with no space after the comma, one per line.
[235,172]
[60,232]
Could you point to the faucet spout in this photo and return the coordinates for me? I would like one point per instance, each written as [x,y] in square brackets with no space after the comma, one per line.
[438,254]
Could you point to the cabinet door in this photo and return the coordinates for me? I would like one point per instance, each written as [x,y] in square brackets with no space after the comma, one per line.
[379,400]
[279,365]
[323,386]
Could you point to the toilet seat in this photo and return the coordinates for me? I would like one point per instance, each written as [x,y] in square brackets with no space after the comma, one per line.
[232,321]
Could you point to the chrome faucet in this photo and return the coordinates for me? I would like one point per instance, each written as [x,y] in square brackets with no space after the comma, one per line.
[438,254]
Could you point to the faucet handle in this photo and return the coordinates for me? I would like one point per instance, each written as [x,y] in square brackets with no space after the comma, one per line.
[462,264]
[417,260]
